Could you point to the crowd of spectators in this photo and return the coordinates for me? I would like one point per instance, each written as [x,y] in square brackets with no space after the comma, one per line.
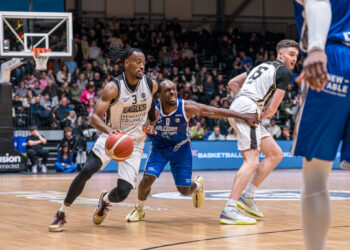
[200,61]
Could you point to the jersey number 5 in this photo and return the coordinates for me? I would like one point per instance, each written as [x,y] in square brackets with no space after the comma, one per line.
[258,72]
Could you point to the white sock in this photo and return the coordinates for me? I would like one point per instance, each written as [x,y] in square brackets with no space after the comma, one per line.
[230,204]
[63,208]
[198,185]
[106,199]
[141,204]
[250,190]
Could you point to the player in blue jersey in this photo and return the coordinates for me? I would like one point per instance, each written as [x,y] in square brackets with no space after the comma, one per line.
[324,116]
[171,142]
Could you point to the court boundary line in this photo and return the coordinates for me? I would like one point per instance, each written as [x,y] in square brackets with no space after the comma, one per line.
[231,236]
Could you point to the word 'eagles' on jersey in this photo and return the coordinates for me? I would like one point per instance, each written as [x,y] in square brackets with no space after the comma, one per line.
[129,111]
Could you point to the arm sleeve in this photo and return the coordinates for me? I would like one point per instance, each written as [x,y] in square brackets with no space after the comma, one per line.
[318,18]
[283,77]
[152,111]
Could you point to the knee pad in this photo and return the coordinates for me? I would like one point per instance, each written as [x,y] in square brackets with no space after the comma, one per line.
[120,192]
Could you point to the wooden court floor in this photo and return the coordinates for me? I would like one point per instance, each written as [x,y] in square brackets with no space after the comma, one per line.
[29,202]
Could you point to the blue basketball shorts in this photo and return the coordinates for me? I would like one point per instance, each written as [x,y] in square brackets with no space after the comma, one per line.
[180,163]
[324,117]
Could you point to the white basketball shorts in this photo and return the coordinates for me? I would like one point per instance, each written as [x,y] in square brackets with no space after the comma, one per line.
[128,170]
[247,137]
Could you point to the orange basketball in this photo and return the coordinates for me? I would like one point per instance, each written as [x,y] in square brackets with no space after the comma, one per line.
[119,146]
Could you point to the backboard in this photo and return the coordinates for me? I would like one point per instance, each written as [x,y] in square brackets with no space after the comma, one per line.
[22,31]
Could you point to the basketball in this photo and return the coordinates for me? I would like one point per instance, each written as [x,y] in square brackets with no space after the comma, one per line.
[119,146]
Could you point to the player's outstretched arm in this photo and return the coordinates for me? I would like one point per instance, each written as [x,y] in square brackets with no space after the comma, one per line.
[109,93]
[236,83]
[318,18]
[192,108]
[272,106]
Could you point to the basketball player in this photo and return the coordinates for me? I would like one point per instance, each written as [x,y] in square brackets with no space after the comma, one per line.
[324,116]
[172,143]
[261,90]
[127,101]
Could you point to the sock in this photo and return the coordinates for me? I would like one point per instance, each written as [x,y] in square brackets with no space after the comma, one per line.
[141,204]
[63,208]
[106,199]
[249,192]
[230,204]
[198,186]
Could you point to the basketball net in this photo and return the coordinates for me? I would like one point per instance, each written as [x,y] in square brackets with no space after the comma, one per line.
[40,59]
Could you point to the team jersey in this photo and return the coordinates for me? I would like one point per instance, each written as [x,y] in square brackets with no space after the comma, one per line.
[172,129]
[263,81]
[129,111]
[339,31]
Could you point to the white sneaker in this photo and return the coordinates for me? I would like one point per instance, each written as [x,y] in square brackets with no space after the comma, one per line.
[43,169]
[249,206]
[35,169]
[235,217]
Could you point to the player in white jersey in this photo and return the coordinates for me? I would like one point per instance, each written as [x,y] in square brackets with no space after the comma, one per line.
[261,91]
[128,101]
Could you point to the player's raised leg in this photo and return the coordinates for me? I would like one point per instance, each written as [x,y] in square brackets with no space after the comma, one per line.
[273,155]
[231,214]
[127,173]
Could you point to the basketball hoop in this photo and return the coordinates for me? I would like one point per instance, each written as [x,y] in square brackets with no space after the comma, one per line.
[40,59]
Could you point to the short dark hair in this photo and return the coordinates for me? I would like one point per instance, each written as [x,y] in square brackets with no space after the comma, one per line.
[32,128]
[286,43]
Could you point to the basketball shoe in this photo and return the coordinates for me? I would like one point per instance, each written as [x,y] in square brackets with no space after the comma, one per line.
[198,196]
[58,222]
[233,216]
[101,209]
[135,215]
[249,206]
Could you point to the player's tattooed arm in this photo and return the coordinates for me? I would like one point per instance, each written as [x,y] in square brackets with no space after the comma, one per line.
[273,104]
[109,93]
[236,83]
[192,108]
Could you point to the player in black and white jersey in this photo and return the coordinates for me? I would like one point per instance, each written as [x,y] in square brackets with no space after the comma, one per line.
[127,101]
[262,91]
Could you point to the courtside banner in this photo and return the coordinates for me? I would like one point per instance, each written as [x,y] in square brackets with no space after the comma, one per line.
[217,155]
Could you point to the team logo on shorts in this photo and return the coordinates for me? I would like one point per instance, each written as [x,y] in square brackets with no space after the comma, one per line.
[263,195]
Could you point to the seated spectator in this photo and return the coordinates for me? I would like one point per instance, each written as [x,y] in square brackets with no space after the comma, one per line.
[72,121]
[22,90]
[47,102]
[273,129]
[186,93]
[81,82]
[63,75]
[43,80]
[64,90]
[90,108]
[17,104]
[68,139]
[232,136]
[64,161]
[36,89]
[28,99]
[197,132]
[188,76]
[52,89]
[88,93]
[40,115]
[285,134]
[36,149]
[62,112]
[216,136]
[51,76]
[94,50]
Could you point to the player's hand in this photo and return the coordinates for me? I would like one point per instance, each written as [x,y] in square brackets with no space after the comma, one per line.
[252,119]
[115,131]
[315,70]
[149,129]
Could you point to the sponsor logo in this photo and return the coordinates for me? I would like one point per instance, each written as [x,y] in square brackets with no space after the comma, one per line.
[263,195]
[135,108]
[10,159]
[126,99]
[177,120]
[337,85]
